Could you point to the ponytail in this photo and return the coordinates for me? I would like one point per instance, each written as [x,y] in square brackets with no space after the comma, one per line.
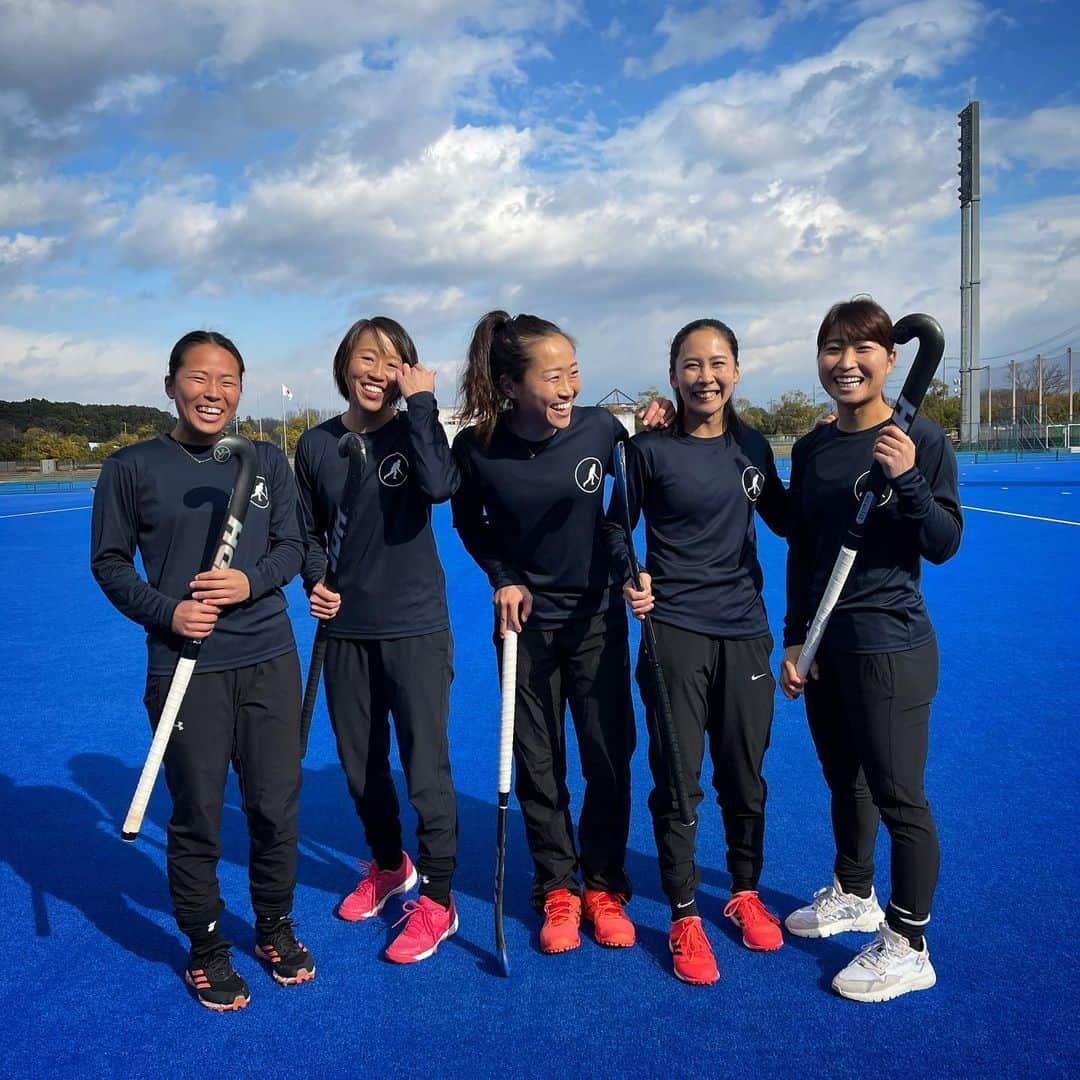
[498,350]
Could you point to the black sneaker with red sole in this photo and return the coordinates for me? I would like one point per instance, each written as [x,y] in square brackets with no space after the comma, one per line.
[290,963]
[216,983]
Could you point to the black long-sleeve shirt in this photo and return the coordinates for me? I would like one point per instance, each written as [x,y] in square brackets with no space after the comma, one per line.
[388,572]
[699,496]
[168,502]
[532,514]
[881,608]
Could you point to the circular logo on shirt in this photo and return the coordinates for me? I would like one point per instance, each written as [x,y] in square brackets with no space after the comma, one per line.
[260,494]
[860,491]
[222,454]
[589,474]
[753,482]
[394,469]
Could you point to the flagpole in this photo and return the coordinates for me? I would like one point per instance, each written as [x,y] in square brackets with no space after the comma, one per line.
[258,409]
[284,429]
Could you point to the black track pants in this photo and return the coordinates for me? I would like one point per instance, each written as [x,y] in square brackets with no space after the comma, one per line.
[586,664]
[251,718]
[725,689]
[407,678]
[870,718]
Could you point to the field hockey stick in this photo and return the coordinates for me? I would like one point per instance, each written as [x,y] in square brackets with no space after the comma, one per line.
[353,447]
[927,357]
[668,735]
[244,451]
[506,759]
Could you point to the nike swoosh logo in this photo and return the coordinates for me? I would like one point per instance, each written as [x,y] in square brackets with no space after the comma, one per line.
[686,905]
[754,678]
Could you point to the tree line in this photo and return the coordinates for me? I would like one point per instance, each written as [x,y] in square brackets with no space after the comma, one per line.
[38,429]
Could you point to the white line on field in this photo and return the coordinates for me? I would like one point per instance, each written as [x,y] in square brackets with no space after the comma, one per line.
[38,513]
[1029,517]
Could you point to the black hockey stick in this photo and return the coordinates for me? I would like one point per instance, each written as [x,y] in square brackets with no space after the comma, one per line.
[668,734]
[244,451]
[506,759]
[923,367]
[352,446]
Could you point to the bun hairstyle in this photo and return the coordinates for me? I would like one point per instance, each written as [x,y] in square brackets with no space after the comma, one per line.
[381,326]
[499,350]
[859,319]
[201,337]
[731,419]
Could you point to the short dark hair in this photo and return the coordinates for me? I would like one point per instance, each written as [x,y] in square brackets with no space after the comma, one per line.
[201,337]
[394,332]
[859,319]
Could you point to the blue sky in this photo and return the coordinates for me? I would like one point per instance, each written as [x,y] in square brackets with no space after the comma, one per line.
[278,170]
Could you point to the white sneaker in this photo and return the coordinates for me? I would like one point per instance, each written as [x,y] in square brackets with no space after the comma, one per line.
[886,968]
[833,911]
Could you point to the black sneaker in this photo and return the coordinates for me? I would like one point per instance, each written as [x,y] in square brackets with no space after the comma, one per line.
[215,982]
[289,961]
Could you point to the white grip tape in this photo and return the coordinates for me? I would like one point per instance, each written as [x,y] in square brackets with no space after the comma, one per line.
[841,568]
[506,719]
[177,690]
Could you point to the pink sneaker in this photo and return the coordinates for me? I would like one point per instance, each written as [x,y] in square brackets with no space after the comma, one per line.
[375,888]
[427,925]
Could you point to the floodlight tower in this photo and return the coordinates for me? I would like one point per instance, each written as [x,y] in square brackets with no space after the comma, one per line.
[969,272]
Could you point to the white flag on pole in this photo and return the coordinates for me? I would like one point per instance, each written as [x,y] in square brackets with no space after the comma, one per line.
[286,392]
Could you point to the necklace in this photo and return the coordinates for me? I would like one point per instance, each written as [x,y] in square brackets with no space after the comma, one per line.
[197,460]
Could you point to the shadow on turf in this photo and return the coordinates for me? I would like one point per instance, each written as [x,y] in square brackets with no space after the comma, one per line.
[331,839]
[74,855]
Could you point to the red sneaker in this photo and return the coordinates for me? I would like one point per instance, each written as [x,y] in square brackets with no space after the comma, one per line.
[760,928]
[562,918]
[375,888]
[610,924]
[691,953]
[427,926]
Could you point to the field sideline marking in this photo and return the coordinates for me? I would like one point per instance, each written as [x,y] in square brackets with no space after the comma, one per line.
[1030,517]
[38,513]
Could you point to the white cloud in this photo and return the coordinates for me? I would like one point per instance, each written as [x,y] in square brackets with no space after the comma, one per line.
[127,94]
[1045,138]
[76,367]
[22,248]
[761,197]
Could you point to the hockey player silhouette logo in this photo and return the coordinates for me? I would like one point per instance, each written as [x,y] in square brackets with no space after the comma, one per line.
[394,469]
[860,491]
[260,495]
[753,482]
[589,474]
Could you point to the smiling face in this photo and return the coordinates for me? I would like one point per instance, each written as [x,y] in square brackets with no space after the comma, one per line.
[544,397]
[372,373]
[853,373]
[206,392]
[704,375]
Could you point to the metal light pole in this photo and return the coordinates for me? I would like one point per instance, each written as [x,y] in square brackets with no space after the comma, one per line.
[1068,352]
[969,270]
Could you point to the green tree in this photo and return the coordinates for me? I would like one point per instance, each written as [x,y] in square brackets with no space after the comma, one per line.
[796,413]
[643,399]
[941,406]
[755,416]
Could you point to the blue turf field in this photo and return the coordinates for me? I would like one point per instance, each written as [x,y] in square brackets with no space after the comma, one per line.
[93,986]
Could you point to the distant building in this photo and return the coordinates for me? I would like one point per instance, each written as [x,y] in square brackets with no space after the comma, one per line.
[622,406]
